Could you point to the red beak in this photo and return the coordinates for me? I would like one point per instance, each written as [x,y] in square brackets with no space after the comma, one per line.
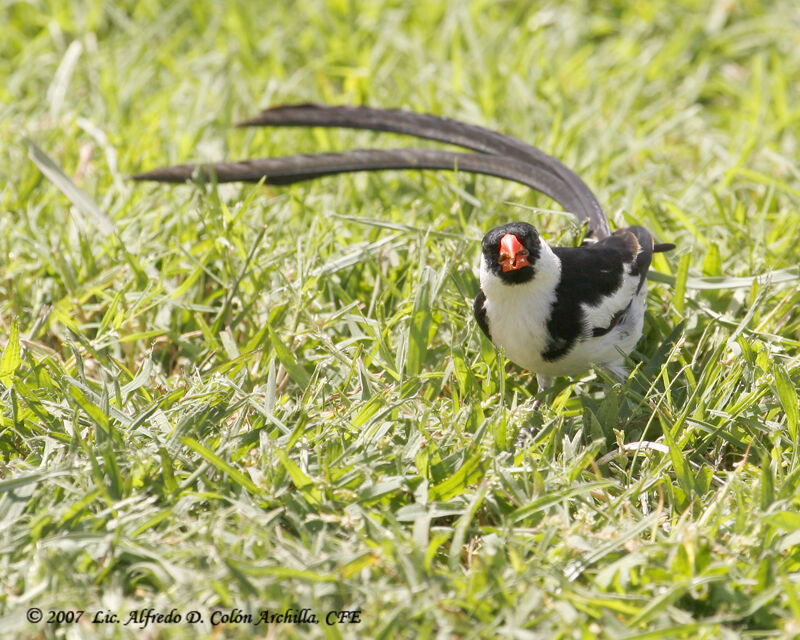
[513,255]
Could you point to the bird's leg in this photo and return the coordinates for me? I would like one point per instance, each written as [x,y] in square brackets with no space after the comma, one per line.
[545,382]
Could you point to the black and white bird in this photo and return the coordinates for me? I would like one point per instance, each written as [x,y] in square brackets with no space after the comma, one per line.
[559,310]
[555,311]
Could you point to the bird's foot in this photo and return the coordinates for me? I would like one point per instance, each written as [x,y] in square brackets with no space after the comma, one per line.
[526,434]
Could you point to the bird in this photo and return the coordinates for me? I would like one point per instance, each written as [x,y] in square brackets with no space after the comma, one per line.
[554,311]
[557,311]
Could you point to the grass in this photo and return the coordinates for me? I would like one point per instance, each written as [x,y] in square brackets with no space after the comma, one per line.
[269,398]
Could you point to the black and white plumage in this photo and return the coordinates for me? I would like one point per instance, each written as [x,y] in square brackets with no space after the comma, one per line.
[559,310]
[554,310]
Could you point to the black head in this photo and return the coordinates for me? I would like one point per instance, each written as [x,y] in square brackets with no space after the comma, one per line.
[511,251]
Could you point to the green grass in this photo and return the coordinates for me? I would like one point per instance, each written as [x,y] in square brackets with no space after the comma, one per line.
[272,398]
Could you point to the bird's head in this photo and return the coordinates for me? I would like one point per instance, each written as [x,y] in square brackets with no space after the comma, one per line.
[510,252]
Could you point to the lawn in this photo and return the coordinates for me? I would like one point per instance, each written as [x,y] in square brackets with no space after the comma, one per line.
[222,402]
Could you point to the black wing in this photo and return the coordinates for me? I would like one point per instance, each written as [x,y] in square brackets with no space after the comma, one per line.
[598,283]
[479,311]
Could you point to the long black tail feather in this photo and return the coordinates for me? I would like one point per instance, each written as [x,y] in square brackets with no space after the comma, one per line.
[291,169]
[497,155]
[423,125]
